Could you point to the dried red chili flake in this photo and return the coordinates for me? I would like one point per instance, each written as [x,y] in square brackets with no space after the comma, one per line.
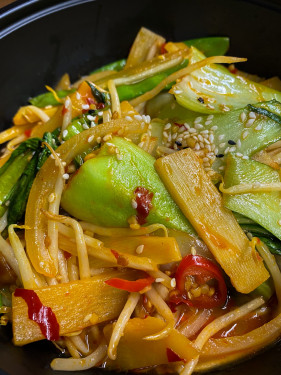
[40,314]
[143,197]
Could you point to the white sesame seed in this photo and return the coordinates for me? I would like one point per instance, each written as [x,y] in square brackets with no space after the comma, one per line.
[159,280]
[85,126]
[167,126]
[181,129]
[208,147]
[165,134]
[239,155]
[243,116]
[147,119]
[222,145]
[107,137]
[232,149]
[210,106]
[51,198]
[173,282]
[226,150]
[214,127]
[91,118]
[210,117]
[200,138]
[249,123]
[238,143]
[198,126]
[90,138]
[252,115]
[85,106]
[192,130]
[92,124]
[208,122]
[197,120]
[245,134]
[138,117]
[129,118]
[64,133]
[216,150]
[134,204]
[221,137]
[139,249]
[258,127]
[211,138]
[204,132]
[177,91]
[174,136]
[202,145]
[245,157]
[65,176]
[221,168]
[197,147]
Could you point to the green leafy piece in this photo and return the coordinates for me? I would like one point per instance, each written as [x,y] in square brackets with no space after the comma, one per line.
[265,111]
[99,94]
[213,89]
[262,207]
[212,46]
[53,141]
[19,196]
[102,190]
[30,144]
[128,92]
[48,98]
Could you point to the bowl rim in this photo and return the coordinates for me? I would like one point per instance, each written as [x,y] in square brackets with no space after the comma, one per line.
[22,12]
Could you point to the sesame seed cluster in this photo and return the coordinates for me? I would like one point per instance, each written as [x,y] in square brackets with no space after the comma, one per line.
[195,136]
[208,144]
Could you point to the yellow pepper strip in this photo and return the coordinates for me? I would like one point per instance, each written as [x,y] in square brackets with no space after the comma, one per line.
[26,115]
[44,185]
[13,132]
[135,352]
[201,203]
[76,305]
[49,126]
[127,109]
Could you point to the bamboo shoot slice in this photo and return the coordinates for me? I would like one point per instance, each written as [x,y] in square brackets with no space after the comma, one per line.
[76,305]
[201,203]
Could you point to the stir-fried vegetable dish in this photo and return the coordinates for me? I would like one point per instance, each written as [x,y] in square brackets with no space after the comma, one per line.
[140,212]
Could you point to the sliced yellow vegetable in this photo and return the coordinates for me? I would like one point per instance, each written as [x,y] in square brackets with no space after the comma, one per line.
[160,250]
[76,305]
[135,352]
[146,45]
[201,202]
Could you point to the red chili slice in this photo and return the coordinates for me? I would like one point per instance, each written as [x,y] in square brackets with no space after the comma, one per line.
[203,270]
[130,286]
[40,314]
[172,356]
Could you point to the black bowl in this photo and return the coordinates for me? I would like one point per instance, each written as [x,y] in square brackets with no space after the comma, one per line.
[42,39]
